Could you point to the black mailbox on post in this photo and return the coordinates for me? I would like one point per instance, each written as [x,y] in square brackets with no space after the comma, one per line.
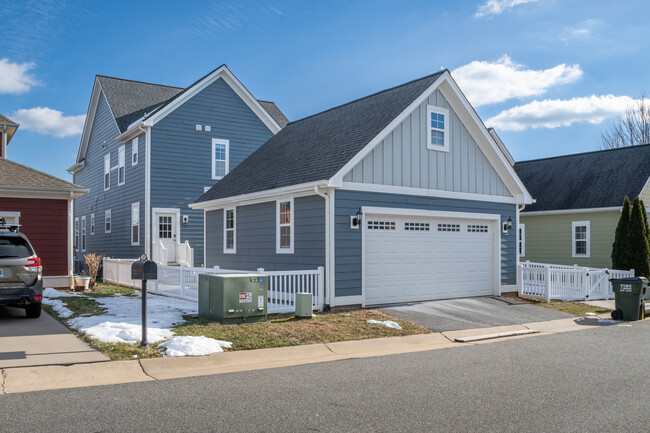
[144,270]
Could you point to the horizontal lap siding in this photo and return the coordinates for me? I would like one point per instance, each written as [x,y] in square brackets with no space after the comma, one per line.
[182,156]
[348,241]
[402,158]
[118,198]
[256,237]
[45,223]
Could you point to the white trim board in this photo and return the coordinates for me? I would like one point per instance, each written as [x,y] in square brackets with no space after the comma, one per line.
[405,190]
[570,211]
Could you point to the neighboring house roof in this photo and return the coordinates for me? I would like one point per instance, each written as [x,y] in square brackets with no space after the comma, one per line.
[17,176]
[317,147]
[132,101]
[586,180]
[10,125]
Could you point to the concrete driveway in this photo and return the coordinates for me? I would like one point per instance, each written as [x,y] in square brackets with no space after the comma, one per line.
[43,341]
[470,313]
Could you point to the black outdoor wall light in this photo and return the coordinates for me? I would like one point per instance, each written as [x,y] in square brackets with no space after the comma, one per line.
[355,220]
[507,225]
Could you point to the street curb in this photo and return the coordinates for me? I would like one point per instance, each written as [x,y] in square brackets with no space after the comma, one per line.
[27,379]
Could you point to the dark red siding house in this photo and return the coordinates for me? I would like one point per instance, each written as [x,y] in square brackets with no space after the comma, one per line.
[42,205]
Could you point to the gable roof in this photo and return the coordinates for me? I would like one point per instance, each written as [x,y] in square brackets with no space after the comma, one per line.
[15,176]
[132,101]
[317,147]
[586,180]
[10,125]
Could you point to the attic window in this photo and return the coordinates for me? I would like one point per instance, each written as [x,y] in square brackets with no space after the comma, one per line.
[437,128]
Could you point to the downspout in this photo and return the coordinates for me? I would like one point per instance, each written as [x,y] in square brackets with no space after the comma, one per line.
[70,241]
[520,207]
[328,281]
[147,190]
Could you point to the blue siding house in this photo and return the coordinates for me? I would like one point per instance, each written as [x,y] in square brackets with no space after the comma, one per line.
[403,195]
[149,150]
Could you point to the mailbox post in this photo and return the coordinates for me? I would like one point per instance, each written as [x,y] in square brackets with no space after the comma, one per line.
[144,270]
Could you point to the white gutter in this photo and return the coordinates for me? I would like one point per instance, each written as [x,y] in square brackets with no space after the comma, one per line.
[329,287]
[78,191]
[147,189]
[570,211]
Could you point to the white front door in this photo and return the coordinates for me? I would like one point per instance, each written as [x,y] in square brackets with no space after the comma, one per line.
[419,258]
[167,234]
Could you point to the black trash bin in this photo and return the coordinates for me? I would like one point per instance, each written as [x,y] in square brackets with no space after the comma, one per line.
[629,294]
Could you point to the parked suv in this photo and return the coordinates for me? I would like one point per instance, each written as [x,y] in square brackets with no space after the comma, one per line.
[21,273]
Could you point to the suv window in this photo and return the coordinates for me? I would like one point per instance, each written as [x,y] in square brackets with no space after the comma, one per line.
[14,247]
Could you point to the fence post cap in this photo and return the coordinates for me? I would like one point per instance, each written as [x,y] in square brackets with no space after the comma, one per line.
[260,270]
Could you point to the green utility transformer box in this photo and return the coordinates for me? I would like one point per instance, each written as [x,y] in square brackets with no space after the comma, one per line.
[233,298]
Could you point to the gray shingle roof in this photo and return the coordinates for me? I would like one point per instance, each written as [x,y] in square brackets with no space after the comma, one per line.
[131,100]
[14,174]
[585,180]
[317,147]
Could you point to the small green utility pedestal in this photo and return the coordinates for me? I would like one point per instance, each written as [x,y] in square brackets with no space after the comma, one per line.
[233,298]
[304,305]
[629,294]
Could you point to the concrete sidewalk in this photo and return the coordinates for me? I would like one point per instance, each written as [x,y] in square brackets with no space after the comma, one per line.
[43,341]
[27,379]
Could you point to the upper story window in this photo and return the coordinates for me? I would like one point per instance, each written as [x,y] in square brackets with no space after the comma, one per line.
[581,238]
[437,128]
[229,229]
[220,157]
[83,233]
[284,227]
[134,151]
[121,165]
[107,171]
[107,221]
[135,223]
[92,224]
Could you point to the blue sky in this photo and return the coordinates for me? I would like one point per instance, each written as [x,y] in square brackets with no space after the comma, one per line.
[550,75]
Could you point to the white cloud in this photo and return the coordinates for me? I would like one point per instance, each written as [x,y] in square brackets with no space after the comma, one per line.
[553,113]
[15,77]
[45,120]
[488,83]
[582,30]
[497,7]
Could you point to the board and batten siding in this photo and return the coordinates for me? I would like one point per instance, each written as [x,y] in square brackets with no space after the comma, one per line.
[549,238]
[256,237]
[402,158]
[348,241]
[118,198]
[181,156]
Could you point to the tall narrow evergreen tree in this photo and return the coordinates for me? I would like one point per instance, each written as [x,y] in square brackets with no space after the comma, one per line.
[620,248]
[639,249]
[645,219]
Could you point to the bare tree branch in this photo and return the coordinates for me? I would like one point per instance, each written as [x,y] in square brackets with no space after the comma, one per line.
[630,128]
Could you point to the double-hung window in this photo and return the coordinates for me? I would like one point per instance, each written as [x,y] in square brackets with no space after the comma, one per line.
[220,157]
[230,231]
[76,234]
[580,238]
[92,224]
[107,221]
[121,165]
[107,171]
[284,227]
[521,240]
[83,233]
[135,223]
[437,128]
[134,151]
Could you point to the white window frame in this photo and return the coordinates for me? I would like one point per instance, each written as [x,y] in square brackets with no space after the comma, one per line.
[121,164]
[92,224]
[521,240]
[232,250]
[135,156]
[278,249]
[575,224]
[220,141]
[135,207]
[83,233]
[445,131]
[107,172]
[76,234]
[107,217]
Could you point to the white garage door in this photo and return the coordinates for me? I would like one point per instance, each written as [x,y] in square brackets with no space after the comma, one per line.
[419,258]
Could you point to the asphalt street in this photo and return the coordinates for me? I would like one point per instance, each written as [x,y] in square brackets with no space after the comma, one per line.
[590,380]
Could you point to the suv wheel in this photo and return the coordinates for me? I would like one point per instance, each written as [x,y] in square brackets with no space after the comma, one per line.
[33,311]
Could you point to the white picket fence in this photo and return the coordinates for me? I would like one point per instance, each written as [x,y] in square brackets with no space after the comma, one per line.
[567,283]
[183,282]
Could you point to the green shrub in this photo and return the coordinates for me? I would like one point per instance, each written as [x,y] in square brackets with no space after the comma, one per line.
[639,250]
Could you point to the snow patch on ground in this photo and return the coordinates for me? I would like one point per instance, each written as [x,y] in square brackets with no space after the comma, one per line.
[111,332]
[58,306]
[53,293]
[386,323]
[193,346]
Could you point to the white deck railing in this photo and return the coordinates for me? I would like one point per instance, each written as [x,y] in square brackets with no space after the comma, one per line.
[183,282]
[567,283]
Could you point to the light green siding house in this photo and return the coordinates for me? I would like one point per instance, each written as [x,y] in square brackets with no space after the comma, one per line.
[578,201]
